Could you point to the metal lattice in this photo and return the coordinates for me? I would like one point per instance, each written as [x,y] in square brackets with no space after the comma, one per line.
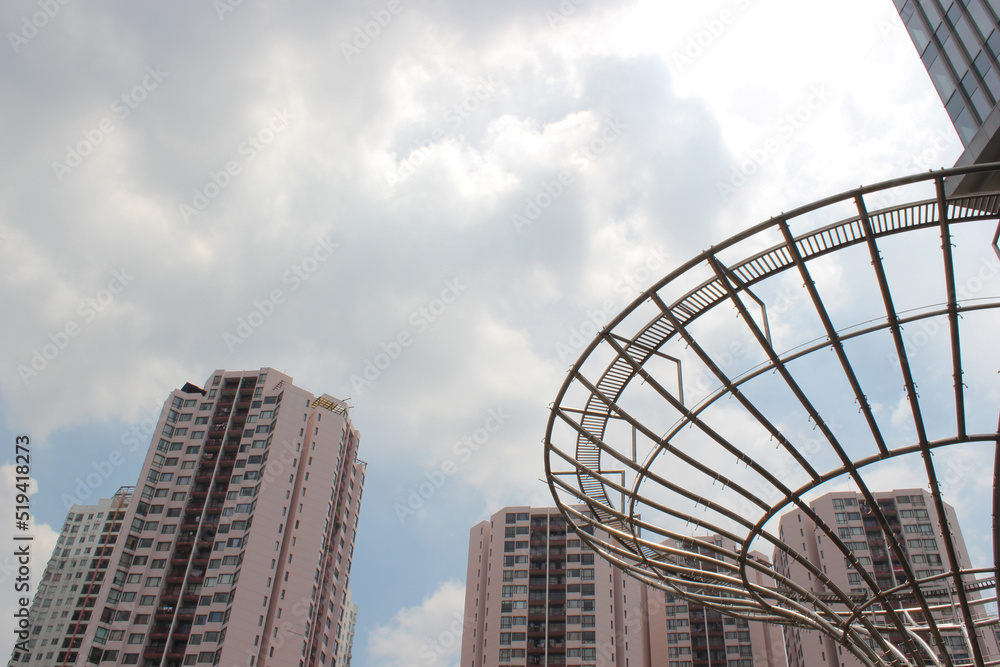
[847,345]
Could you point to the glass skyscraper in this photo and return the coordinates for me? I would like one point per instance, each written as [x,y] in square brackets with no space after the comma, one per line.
[959,43]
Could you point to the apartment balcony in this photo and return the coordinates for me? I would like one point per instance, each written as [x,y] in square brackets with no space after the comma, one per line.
[159,631]
[194,507]
[186,538]
[154,651]
[165,612]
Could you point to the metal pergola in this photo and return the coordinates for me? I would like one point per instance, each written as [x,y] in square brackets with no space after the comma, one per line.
[709,407]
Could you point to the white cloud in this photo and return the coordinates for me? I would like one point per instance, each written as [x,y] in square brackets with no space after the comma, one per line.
[557,73]
[428,634]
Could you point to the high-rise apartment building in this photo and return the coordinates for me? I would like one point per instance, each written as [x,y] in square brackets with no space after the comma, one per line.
[536,594]
[959,44]
[347,628]
[687,634]
[911,516]
[70,586]
[237,546]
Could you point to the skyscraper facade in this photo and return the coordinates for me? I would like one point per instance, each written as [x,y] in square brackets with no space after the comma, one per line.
[237,546]
[536,594]
[687,634]
[70,586]
[911,515]
[959,44]
[347,628]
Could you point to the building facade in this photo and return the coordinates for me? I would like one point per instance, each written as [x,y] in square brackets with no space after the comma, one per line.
[911,515]
[69,588]
[959,44]
[537,595]
[686,634]
[237,546]
[347,628]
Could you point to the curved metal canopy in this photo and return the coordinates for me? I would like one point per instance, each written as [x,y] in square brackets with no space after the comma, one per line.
[848,345]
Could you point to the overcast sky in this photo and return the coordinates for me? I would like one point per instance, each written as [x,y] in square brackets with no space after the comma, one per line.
[415,205]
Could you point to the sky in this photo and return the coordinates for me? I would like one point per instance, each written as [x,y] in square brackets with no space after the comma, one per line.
[423,207]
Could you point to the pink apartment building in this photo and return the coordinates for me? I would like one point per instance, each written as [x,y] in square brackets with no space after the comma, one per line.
[911,515]
[59,619]
[236,548]
[686,634]
[536,595]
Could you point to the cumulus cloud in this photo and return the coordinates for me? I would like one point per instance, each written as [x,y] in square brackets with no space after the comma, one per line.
[428,634]
[185,189]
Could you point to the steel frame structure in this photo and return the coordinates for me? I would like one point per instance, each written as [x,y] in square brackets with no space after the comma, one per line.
[589,459]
